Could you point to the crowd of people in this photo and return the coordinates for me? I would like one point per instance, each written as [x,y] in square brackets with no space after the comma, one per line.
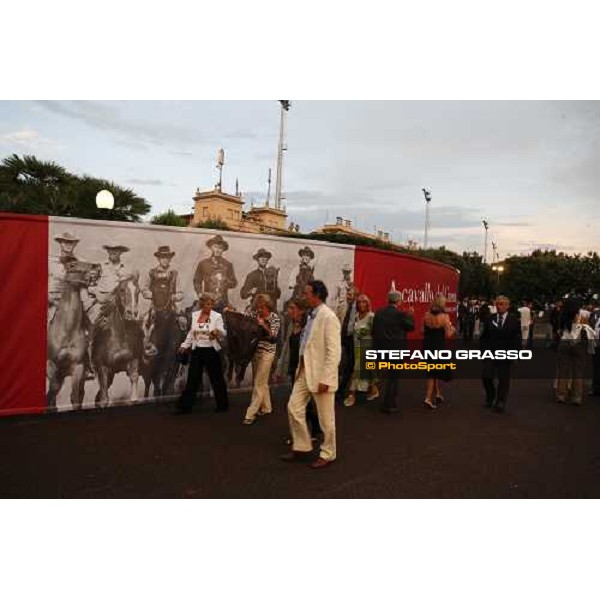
[324,349]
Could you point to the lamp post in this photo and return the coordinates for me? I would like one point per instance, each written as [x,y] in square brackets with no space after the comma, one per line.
[105,201]
[427,195]
[485,239]
[281,148]
[499,269]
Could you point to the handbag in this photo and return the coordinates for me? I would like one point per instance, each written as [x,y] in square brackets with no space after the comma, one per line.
[183,358]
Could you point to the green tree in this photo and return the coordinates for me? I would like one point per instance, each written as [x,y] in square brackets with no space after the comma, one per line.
[215,223]
[31,186]
[169,218]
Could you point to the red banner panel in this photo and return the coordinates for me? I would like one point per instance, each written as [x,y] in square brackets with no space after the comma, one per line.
[24,306]
[418,280]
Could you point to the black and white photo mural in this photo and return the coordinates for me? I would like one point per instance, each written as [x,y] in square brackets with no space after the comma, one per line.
[121,295]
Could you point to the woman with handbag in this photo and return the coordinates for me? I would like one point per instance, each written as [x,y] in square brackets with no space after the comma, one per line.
[363,340]
[576,343]
[262,360]
[203,347]
[436,329]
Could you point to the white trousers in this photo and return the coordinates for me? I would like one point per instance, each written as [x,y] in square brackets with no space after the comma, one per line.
[300,397]
[261,395]
[525,333]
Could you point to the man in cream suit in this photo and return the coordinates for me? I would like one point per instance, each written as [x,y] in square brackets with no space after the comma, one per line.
[317,376]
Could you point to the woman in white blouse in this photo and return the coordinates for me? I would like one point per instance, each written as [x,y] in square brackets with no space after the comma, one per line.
[202,342]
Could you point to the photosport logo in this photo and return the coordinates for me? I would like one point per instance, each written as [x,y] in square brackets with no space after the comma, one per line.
[465,363]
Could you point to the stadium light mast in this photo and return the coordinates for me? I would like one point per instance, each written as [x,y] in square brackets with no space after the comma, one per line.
[486,226]
[427,195]
[284,107]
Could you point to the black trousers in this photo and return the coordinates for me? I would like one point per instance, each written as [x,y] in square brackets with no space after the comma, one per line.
[211,359]
[469,329]
[596,371]
[346,366]
[496,369]
[390,392]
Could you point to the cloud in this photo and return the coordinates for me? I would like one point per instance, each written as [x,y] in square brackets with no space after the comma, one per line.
[107,117]
[28,139]
[241,134]
[146,181]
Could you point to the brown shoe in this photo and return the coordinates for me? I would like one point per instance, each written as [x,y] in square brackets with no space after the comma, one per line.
[295,456]
[320,463]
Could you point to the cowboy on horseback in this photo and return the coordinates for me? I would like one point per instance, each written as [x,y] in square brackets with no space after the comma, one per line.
[161,287]
[57,270]
[113,272]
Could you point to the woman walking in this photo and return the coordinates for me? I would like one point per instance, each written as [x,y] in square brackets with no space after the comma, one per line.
[436,329]
[576,342]
[262,360]
[203,342]
[363,340]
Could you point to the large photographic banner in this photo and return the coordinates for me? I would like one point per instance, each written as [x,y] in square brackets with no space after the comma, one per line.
[93,311]
[131,284]
[417,279]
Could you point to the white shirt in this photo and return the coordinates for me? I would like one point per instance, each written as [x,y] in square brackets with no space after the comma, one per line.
[525,316]
[198,335]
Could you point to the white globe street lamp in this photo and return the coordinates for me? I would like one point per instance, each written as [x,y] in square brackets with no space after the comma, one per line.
[104,199]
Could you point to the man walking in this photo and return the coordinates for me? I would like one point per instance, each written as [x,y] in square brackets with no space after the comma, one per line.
[347,363]
[316,376]
[525,317]
[390,326]
[501,331]
[595,325]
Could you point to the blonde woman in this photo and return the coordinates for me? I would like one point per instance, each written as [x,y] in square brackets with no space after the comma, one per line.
[262,360]
[363,340]
[436,329]
[202,342]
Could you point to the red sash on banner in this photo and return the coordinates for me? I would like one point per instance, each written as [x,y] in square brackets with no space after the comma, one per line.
[23,313]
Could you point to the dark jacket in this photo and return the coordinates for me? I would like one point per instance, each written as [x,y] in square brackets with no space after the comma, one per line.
[508,337]
[390,326]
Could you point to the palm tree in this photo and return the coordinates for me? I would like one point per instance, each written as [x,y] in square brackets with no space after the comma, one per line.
[29,185]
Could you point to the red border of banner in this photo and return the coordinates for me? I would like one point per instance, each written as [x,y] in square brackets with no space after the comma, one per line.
[374,270]
[23,313]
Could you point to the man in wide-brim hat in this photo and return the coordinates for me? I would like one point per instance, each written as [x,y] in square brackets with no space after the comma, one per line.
[113,272]
[164,251]
[263,280]
[301,274]
[306,251]
[215,274]
[217,240]
[56,268]
[161,285]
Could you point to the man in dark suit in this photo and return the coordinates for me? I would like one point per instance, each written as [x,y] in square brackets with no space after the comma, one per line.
[390,326]
[501,331]
[595,325]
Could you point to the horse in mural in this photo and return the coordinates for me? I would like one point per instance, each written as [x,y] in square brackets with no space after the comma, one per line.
[163,334]
[243,335]
[118,339]
[67,334]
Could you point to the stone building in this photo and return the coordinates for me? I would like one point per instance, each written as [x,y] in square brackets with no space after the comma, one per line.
[216,204]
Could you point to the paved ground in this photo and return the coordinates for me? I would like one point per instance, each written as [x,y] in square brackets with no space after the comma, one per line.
[537,449]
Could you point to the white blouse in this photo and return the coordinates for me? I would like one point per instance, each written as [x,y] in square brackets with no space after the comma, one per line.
[198,335]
